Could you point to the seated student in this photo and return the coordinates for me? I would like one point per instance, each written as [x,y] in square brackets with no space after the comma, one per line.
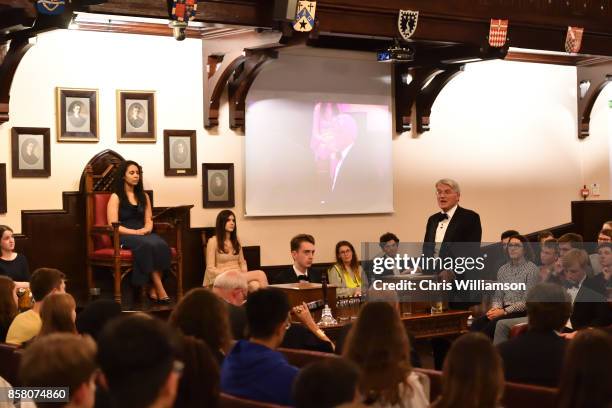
[472,376]
[497,259]
[536,356]
[203,315]
[604,253]
[94,317]
[26,325]
[585,379]
[549,254]
[302,252]
[231,286]
[8,305]
[568,242]
[544,236]
[510,303]
[62,360]
[389,243]
[199,385]
[143,372]
[327,384]
[378,344]
[58,314]
[254,369]
[346,273]
[12,264]
[588,295]
[604,236]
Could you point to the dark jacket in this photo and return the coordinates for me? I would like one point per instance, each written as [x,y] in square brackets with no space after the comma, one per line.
[590,307]
[288,276]
[535,357]
[255,372]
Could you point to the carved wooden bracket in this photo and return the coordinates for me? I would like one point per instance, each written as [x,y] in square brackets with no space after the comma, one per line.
[241,81]
[211,117]
[10,58]
[407,83]
[593,79]
[428,95]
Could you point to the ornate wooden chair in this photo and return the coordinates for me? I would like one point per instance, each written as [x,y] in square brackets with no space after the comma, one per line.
[103,243]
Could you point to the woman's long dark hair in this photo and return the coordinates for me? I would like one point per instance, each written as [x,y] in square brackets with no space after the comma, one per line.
[8,308]
[354,260]
[585,379]
[527,247]
[119,183]
[220,232]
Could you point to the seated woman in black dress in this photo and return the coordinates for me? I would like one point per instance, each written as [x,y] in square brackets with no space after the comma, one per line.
[131,206]
[12,264]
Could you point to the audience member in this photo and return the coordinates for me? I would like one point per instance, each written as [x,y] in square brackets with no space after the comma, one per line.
[588,294]
[143,372]
[473,376]
[536,356]
[62,360]
[203,315]
[58,314]
[604,236]
[585,379]
[549,254]
[327,384]
[26,325]
[510,303]
[12,264]
[569,241]
[378,344]
[346,273]
[498,257]
[231,286]
[604,252]
[389,243]
[8,305]
[94,317]
[224,253]
[606,226]
[544,236]
[254,369]
[199,385]
[302,252]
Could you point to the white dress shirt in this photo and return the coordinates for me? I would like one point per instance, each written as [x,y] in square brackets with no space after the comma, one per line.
[441,229]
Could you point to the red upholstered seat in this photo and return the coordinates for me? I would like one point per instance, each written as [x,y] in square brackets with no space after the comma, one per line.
[100,202]
[518,329]
[124,254]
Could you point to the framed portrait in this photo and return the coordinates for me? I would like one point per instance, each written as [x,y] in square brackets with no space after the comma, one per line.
[3,188]
[77,115]
[136,116]
[180,153]
[30,152]
[218,185]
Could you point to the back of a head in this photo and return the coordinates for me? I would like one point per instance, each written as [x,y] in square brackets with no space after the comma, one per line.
[44,280]
[57,314]
[326,384]
[137,355]
[203,315]
[548,307]
[230,280]
[585,379]
[266,309]
[378,344]
[8,308]
[58,360]
[200,381]
[472,376]
[95,316]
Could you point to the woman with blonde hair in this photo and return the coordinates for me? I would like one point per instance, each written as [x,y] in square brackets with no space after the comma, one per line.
[58,314]
[472,376]
[379,345]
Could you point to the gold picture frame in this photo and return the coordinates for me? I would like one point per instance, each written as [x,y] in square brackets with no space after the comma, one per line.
[77,114]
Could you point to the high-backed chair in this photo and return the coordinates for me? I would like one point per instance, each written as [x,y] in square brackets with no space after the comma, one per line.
[103,241]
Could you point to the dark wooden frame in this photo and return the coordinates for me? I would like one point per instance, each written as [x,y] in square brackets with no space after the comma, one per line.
[60,99]
[143,137]
[16,171]
[206,202]
[3,205]
[192,171]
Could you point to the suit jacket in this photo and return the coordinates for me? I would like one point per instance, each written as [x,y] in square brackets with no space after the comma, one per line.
[534,357]
[288,276]
[463,227]
[590,306]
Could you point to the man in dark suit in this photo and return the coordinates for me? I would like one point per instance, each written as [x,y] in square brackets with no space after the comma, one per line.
[302,252]
[536,357]
[588,294]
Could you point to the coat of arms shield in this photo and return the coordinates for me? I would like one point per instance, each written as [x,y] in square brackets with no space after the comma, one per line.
[407,23]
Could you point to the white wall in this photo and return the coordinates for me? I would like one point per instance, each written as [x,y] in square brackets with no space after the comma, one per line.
[505,130]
